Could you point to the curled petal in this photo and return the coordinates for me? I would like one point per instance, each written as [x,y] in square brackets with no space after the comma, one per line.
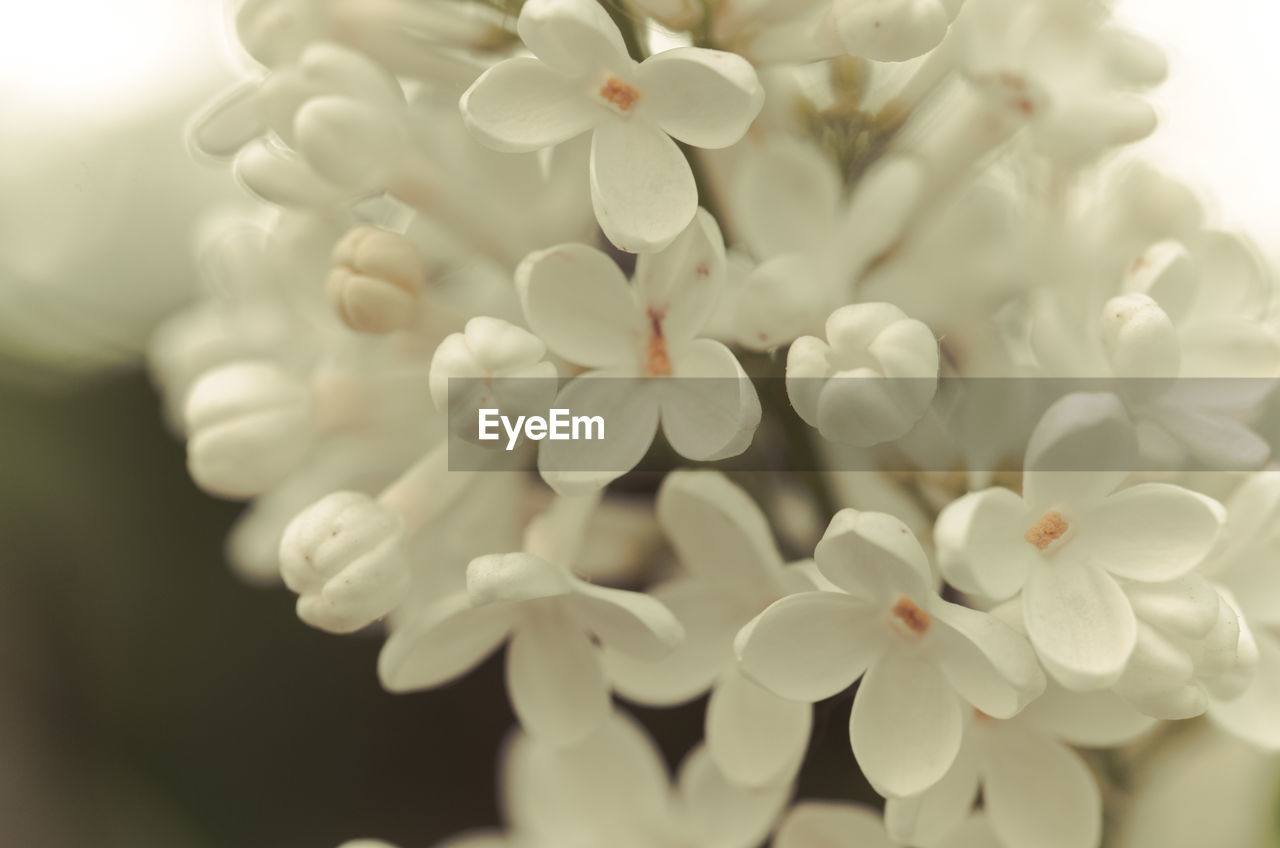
[990,664]
[875,554]
[980,543]
[710,409]
[631,622]
[575,37]
[442,643]
[494,578]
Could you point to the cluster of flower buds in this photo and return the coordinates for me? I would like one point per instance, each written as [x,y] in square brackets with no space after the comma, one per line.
[840,211]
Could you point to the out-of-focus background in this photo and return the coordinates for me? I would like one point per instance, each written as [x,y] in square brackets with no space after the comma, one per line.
[147,697]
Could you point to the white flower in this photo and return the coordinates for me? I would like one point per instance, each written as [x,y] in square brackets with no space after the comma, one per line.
[344,556]
[1064,542]
[581,78]
[871,381]
[924,658]
[633,337]
[249,425]
[734,571]
[377,280]
[555,623]
[611,788]
[812,244]
[1246,567]
[1035,791]
[1192,647]
[834,824]
[893,30]
[497,365]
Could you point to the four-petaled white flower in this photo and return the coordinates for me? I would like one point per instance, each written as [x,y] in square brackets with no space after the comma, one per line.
[734,571]
[632,337]
[580,78]
[555,622]
[927,662]
[1067,538]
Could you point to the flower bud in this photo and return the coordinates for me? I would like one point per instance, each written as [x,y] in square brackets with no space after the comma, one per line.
[840,386]
[376,281]
[1139,337]
[344,556]
[249,424]
[498,364]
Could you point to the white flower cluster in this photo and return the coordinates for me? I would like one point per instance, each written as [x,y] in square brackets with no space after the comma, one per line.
[853,198]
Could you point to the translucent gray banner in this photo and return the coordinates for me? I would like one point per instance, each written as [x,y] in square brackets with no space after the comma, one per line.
[597,424]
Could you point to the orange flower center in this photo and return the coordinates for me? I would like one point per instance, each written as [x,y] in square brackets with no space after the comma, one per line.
[912,617]
[619,94]
[1050,527]
[657,362]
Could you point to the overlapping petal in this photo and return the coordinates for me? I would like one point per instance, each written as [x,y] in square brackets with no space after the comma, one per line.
[707,98]
[642,188]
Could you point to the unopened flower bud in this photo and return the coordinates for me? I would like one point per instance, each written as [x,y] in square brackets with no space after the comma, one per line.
[249,424]
[376,280]
[1139,337]
[840,386]
[344,556]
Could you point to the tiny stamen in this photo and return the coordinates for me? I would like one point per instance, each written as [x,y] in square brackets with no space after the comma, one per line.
[1051,526]
[620,94]
[915,619]
[658,363]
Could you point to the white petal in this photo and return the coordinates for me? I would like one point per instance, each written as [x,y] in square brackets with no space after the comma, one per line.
[1253,716]
[554,678]
[980,543]
[906,725]
[445,641]
[830,824]
[1039,792]
[681,284]
[875,554]
[1080,623]
[706,98]
[890,30]
[630,622]
[714,811]
[772,309]
[1089,719]
[710,410]
[282,177]
[522,104]
[989,664]
[353,144]
[1089,431]
[710,617]
[927,818]
[576,299]
[642,188]
[1153,531]
[756,737]
[516,576]
[786,197]
[719,532]
[230,123]
[630,410]
[810,646]
[611,780]
[573,36]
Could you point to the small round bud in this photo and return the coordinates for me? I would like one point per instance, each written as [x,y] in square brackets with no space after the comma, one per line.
[1139,337]
[871,381]
[344,556]
[376,281]
[248,424]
